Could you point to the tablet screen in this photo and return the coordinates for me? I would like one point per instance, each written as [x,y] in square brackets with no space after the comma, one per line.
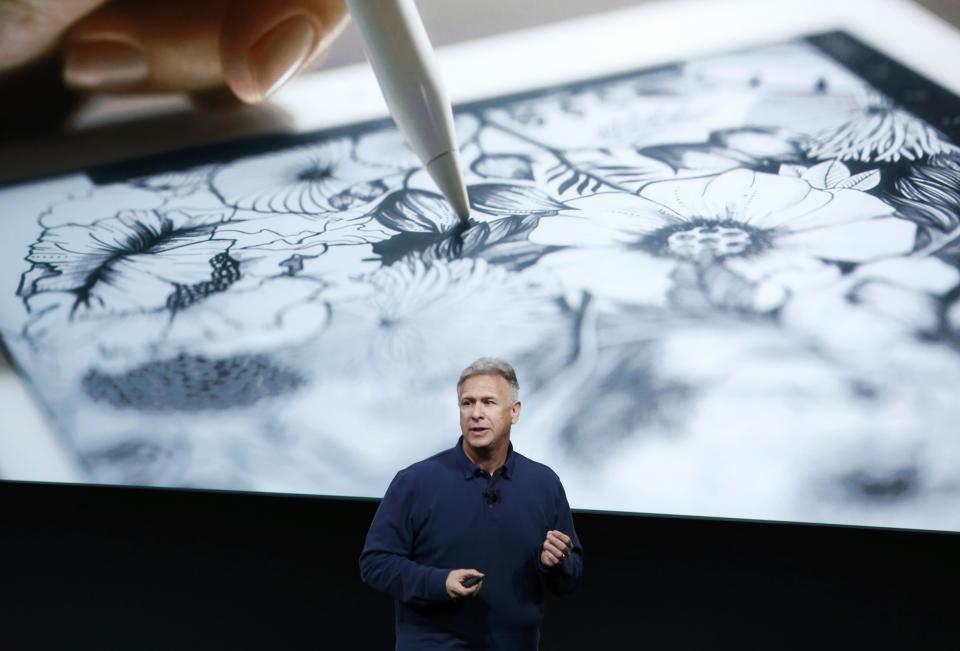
[729,287]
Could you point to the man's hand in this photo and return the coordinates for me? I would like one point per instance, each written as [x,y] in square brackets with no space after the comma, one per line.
[455,587]
[556,547]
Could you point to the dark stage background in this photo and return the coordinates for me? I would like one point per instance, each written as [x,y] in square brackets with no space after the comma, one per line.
[96,567]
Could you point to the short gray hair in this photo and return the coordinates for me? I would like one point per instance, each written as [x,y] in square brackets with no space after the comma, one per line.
[492,366]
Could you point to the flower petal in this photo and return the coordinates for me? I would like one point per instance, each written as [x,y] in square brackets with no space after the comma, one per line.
[504,166]
[915,310]
[923,274]
[780,273]
[826,174]
[618,274]
[602,219]
[504,199]
[855,242]
[416,211]
[835,207]
[762,200]
[146,281]
[299,180]
[779,262]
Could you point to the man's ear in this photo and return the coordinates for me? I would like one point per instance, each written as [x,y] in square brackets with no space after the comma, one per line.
[515,411]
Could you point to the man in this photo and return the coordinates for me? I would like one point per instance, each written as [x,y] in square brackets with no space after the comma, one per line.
[477,510]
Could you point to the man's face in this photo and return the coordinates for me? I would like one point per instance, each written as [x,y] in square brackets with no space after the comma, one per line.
[486,411]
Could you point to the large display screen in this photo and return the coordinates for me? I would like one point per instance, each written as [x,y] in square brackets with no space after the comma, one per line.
[729,287]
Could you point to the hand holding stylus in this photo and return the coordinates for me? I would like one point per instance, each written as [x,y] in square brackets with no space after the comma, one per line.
[245,49]
[219,50]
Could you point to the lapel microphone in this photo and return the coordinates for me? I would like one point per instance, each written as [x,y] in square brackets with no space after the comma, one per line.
[492,496]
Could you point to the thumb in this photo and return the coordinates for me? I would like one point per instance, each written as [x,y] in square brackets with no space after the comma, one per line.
[265,44]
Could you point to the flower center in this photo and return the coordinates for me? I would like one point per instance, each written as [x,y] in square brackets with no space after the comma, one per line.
[315,174]
[717,240]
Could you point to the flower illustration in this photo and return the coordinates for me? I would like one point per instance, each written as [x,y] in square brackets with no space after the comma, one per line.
[442,311]
[771,231]
[877,130]
[930,193]
[883,305]
[726,149]
[858,125]
[833,175]
[282,299]
[175,184]
[822,437]
[138,260]
[835,114]
[289,233]
[192,383]
[738,274]
[310,180]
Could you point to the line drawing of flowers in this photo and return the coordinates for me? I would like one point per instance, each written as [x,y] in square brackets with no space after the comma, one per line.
[281,300]
[319,180]
[877,131]
[441,310]
[175,184]
[678,260]
[775,231]
[727,149]
[296,233]
[878,306]
[930,194]
[132,262]
[192,383]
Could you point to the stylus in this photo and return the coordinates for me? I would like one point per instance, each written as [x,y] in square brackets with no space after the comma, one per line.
[402,58]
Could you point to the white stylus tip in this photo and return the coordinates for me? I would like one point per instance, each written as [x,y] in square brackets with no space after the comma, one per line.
[445,171]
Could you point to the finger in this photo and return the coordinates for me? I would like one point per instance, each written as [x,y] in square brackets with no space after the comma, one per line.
[563,544]
[564,547]
[264,44]
[30,29]
[144,45]
[553,549]
[564,538]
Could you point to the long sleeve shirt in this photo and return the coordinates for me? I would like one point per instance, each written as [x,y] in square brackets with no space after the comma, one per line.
[446,513]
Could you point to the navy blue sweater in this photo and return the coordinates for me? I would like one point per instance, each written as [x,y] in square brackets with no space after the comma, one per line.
[435,517]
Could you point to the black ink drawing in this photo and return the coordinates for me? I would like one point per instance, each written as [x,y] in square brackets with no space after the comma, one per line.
[730,287]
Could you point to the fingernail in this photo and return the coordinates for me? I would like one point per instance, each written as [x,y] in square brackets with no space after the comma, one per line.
[276,56]
[104,65]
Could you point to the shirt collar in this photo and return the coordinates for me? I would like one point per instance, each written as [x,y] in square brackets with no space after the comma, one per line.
[470,469]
